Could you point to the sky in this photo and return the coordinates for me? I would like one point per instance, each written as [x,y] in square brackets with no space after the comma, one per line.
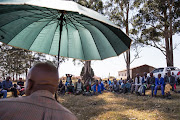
[148,55]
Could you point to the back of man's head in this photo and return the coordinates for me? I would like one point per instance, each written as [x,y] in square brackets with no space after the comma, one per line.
[42,76]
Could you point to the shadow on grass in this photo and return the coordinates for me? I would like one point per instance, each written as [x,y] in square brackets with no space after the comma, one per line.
[111,106]
[84,107]
[168,108]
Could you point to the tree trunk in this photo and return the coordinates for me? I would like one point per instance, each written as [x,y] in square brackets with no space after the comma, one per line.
[26,72]
[170,33]
[13,76]
[128,57]
[16,76]
[167,42]
[87,70]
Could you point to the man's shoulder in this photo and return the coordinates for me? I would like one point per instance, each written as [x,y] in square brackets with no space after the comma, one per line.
[14,104]
[18,99]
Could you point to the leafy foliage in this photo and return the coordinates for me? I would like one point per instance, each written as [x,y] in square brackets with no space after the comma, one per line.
[157,20]
[15,61]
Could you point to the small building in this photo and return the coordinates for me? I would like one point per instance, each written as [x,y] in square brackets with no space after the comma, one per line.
[133,71]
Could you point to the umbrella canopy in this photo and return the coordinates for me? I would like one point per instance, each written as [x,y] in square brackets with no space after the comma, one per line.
[62,28]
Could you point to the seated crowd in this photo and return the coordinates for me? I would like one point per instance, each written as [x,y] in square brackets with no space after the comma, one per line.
[97,87]
[166,84]
[139,85]
[8,86]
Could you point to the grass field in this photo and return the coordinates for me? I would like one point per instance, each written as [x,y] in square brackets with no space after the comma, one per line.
[112,106]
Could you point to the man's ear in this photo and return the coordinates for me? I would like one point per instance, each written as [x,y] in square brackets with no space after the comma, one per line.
[30,84]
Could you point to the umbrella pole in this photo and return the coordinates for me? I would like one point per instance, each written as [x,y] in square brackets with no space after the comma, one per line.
[60,30]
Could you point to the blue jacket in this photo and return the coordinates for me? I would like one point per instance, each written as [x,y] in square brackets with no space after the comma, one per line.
[159,82]
[1,85]
[102,87]
[99,88]
[7,84]
[109,82]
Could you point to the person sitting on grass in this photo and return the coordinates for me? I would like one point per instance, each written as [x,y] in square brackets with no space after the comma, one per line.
[137,84]
[109,82]
[87,89]
[101,84]
[70,87]
[106,85]
[96,88]
[39,103]
[159,83]
[20,83]
[79,87]
[7,85]
[115,87]
[61,88]
[3,92]
[125,87]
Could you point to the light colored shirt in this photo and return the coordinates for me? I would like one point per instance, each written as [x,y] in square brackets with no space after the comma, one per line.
[140,81]
[169,79]
[79,86]
[40,105]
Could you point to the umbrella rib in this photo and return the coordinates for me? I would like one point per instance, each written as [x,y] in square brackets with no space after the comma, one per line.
[51,11]
[72,23]
[104,36]
[81,18]
[20,18]
[80,37]
[39,9]
[38,34]
[92,37]
[36,13]
[53,38]
[20,31]
[94,42]
[67,39]
[77,22]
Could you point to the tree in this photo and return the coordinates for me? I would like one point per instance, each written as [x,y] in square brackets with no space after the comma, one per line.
[16,62]
[118,11]
[157,20]
[96,5]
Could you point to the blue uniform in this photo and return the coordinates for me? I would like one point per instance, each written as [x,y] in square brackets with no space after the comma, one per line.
[98,88]
[159,82]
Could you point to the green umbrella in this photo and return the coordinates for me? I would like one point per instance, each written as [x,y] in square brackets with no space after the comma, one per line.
[62,28]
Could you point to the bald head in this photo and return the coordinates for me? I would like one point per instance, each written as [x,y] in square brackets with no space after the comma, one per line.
[42,76]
